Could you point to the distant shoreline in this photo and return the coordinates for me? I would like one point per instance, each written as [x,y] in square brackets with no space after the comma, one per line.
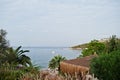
[75,48]
[39,47]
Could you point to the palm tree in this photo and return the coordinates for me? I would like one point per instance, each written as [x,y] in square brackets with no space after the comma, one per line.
[16,56]
[55,62]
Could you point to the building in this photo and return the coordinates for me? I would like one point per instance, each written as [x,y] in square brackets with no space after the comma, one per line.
[79,66]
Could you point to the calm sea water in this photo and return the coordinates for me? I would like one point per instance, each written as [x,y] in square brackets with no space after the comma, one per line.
[42,55]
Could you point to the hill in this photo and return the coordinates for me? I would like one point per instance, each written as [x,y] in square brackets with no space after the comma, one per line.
[81,46]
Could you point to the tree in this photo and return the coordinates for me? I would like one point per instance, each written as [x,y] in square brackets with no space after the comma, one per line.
[16,56]
[11,58]
[106,66]
[118,46]
[4,44]
[113,44]
[93,47]
[55,62]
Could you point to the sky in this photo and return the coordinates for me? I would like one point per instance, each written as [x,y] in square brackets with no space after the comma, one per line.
[59,22]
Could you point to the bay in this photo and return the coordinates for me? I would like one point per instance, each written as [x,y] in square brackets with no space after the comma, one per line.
[41,56]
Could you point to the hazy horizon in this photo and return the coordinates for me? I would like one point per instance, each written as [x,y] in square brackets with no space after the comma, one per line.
[58,23]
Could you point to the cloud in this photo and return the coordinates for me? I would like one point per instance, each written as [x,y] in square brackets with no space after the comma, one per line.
[72,21]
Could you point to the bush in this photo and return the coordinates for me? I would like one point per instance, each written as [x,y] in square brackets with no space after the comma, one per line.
[93,47]
[13,72]
[8,72]
[107,66]
[112,44]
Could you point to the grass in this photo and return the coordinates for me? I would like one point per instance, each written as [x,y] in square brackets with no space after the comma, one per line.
[8,72]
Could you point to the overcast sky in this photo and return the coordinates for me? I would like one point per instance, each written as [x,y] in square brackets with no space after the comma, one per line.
[59,22]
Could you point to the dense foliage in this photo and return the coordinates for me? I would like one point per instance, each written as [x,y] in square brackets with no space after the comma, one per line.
[94,47]
[107,66]
[112,44]
[16,56]
[10,72]
[13,62]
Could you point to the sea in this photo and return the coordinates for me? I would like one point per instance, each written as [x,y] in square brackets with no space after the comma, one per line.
[40,56]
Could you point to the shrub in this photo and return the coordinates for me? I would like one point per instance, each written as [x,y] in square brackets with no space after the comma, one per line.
[112,44]
[10,72]
[107,66]
[93,47]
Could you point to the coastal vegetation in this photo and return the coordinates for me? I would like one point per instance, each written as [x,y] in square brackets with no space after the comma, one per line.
[15,65]
[105,65]
[55,62]
[113,44]
[13,62]
[94,47]
[98,47]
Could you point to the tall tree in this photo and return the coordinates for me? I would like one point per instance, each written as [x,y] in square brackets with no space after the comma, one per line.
[112,44]
[4,44]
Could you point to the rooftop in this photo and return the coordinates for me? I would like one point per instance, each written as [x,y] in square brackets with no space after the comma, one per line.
[85,61]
